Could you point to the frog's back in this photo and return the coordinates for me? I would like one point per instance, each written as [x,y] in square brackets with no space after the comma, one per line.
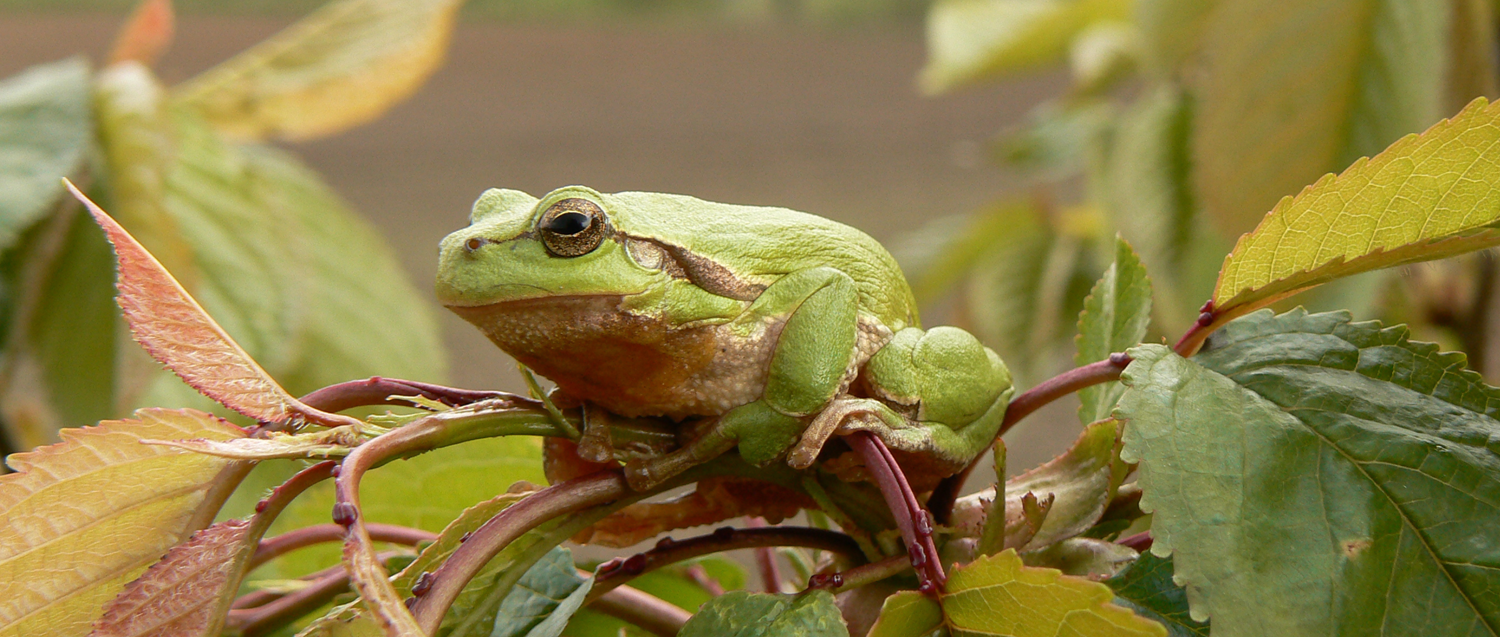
[761,244]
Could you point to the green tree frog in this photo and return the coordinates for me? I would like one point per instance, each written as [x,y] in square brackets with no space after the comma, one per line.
[765,329]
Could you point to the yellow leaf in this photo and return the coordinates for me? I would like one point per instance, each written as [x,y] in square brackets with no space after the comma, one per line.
[83,517]
[999,596]
[342,66]
[1427,196]
[970,40]
[170,324]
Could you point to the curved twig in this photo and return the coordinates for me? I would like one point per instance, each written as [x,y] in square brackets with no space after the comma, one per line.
[668,551]
[317,534]
[642,609]
[915,525]
[1109,369]
[861,575]
[376,390]
[448,580]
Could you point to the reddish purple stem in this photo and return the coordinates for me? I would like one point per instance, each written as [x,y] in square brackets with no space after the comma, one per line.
[915,525]
[379,391]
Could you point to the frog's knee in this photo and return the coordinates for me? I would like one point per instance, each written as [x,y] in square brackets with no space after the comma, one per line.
[949,374]
[764,434]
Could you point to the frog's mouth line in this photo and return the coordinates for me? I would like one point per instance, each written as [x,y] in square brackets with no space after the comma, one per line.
[542,294]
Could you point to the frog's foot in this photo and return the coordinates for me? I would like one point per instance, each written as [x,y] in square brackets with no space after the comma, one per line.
[595,444]
[832,420]
[645,474]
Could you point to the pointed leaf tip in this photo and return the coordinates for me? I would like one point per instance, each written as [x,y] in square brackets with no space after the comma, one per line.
[1427,196]
[179,334]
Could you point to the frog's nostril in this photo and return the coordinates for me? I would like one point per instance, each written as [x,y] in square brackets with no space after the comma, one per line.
[473,244]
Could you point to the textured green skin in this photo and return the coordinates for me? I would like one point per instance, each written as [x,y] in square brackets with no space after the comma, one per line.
[823,283]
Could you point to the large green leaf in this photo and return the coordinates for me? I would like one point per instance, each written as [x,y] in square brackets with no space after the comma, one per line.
[340,67]
[1147,588]
[1427,196]
[1293,89]
[1313,476]
[970,40]
[44,130]
[80,519]
[1114,318]
[741,614]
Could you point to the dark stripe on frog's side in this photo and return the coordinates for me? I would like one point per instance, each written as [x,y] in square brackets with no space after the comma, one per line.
[703,272]
[682,263]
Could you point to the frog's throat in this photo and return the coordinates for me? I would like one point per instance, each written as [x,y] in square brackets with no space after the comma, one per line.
[631,364]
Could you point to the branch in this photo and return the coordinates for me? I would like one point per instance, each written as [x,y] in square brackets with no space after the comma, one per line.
[381,391]
[765,560]
[1109,369]
[448,580]
[319,533]
[642,609]
[861,575]
[915,525]
[1207,323]
[1141,542]
[259,620]
[668,551]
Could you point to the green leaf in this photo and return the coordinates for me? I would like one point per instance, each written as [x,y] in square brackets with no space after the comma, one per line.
[1428,196]
[1171,30]
[908,614]
[339,67]
[426,492]
[1353,493]
[1024,286]
[81,518]
[999,596]
[1082,481]
[741,614]
[970,40]
[1114,318]
[1147,588]
[1084,557]
[1293,89]
[65,334]
[1059,138]
[544,599]
[672,584]
[1147,186]
[44,129]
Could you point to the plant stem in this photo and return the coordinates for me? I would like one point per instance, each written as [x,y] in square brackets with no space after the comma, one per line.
[862,575]
[916,527]
[319,533]
[765,560]
[1109,369]
[487,541]
[1141,542]
[669,551]
[642,609]
[250,622]
[376,390]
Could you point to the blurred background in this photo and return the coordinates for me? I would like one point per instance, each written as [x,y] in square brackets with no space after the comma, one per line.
[808,105]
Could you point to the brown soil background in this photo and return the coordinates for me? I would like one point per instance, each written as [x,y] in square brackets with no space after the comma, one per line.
[826,121]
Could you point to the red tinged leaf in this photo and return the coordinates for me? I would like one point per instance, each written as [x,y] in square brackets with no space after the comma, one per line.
[179,334]
[184,593]
[146,35]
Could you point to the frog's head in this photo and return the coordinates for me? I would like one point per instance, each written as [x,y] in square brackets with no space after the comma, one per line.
[518,247]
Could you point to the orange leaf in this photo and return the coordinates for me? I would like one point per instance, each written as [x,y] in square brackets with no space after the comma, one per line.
[146,35]
[179,334]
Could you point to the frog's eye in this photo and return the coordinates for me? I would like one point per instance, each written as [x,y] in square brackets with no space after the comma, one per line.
[572,227]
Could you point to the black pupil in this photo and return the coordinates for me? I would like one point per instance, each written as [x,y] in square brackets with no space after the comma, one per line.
[569,223]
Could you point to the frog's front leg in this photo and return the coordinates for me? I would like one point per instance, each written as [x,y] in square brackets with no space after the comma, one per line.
[816,354]
[939,395]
